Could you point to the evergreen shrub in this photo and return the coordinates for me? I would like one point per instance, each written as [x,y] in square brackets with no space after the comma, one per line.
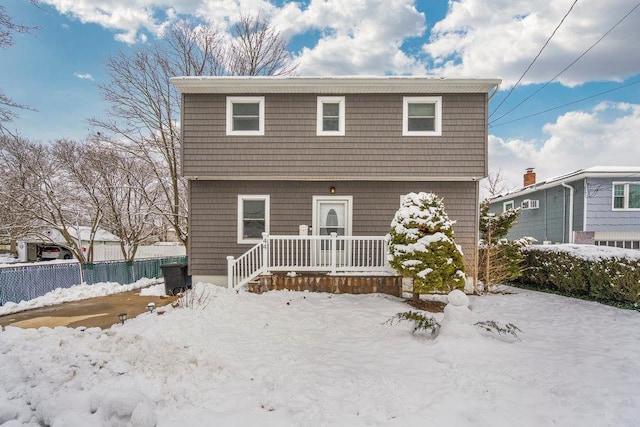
[603,279]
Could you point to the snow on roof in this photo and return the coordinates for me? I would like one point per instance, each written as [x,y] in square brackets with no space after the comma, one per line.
[100,236]
[84,233]
[591,172]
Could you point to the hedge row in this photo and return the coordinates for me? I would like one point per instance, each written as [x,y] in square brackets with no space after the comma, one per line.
[604,279]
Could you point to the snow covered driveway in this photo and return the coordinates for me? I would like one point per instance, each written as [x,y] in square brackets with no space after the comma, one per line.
[289,358]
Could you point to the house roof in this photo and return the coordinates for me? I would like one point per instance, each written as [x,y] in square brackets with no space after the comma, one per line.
[332,85]
[84,233]
[620,172]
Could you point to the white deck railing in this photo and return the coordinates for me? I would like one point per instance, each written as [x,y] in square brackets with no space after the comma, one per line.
[332,254]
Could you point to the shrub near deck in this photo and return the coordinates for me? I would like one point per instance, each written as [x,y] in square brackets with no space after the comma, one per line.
[606,278]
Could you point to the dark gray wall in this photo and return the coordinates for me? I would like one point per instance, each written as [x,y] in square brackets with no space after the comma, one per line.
[372,147]
[214,204]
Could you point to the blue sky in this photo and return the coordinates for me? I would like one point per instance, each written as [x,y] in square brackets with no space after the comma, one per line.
[56,69]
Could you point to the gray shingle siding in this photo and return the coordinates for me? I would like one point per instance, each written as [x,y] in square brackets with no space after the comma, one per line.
[373,146]
[548,222]
[600,213]
[213,212]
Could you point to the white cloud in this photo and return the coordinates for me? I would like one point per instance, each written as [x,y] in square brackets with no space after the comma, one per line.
[364,37]
[501,37]
[132,18]
[357,36]
[607,135]
[84,76]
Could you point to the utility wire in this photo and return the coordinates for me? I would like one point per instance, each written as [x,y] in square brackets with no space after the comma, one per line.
[565,105]
[534,59]
[570,65]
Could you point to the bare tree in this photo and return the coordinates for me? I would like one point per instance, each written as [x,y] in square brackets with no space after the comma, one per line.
[127,197]
[257,49]
[495,183]
[7,30]
[13,223]
[51,187]
[145,107]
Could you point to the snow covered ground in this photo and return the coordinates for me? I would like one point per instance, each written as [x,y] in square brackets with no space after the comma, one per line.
[306,359]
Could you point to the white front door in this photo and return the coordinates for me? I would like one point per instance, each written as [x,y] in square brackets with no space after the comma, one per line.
[331,214]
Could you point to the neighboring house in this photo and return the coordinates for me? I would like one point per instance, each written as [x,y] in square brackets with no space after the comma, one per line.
[83,235]
[30,247]
[598,205]
[291,155]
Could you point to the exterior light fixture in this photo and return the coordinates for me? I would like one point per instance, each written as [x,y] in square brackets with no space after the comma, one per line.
[332,190]
[151,306]
[122,317]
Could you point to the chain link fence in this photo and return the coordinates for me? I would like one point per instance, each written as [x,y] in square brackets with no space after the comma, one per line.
[23,283]
[126,272]
[26,282]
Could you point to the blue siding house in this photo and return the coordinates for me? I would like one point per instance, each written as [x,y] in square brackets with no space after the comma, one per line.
[598,205]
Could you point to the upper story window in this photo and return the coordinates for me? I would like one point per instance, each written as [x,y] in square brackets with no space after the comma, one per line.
[422,116]
[245,115]
[253,218]
[330,115]
[626,196]
[508,205]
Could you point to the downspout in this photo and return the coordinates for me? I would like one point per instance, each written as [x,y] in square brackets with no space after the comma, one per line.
[571,191]
[584,217]
[546,233]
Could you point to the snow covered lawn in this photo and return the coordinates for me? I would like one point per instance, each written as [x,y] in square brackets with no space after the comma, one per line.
[304,359]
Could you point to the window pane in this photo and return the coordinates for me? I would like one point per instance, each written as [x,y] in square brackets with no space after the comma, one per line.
[253,209]
[253,229]
[330,109]
[634,196]
[415,124]
[246,109]
[330,124]
[253,220]
[246,123]
[422,110]
[618,196]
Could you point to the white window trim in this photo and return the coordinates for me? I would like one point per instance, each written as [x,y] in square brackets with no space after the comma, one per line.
[341,114]
[437,100]
[506,204]
[626,196]
[267,217]
[247,100]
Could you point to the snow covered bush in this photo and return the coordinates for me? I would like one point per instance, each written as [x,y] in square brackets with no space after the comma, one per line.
[422,246]
[585,271]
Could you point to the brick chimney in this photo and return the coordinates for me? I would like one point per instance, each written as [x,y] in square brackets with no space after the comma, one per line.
[529,177]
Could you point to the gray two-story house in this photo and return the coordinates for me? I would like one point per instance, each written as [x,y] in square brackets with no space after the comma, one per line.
[597,205]
[321,155]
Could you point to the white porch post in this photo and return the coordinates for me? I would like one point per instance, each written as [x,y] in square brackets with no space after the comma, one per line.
[265,253]
[334,252]
[385,253]
[230,262]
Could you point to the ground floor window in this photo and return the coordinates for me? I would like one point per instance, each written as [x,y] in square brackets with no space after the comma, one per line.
[253,218]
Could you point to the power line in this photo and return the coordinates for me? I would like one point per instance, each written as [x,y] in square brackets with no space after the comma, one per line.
[534,59]
[565,105]
[570,65]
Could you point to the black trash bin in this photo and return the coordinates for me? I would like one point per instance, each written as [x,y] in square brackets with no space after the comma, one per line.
[176,279]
